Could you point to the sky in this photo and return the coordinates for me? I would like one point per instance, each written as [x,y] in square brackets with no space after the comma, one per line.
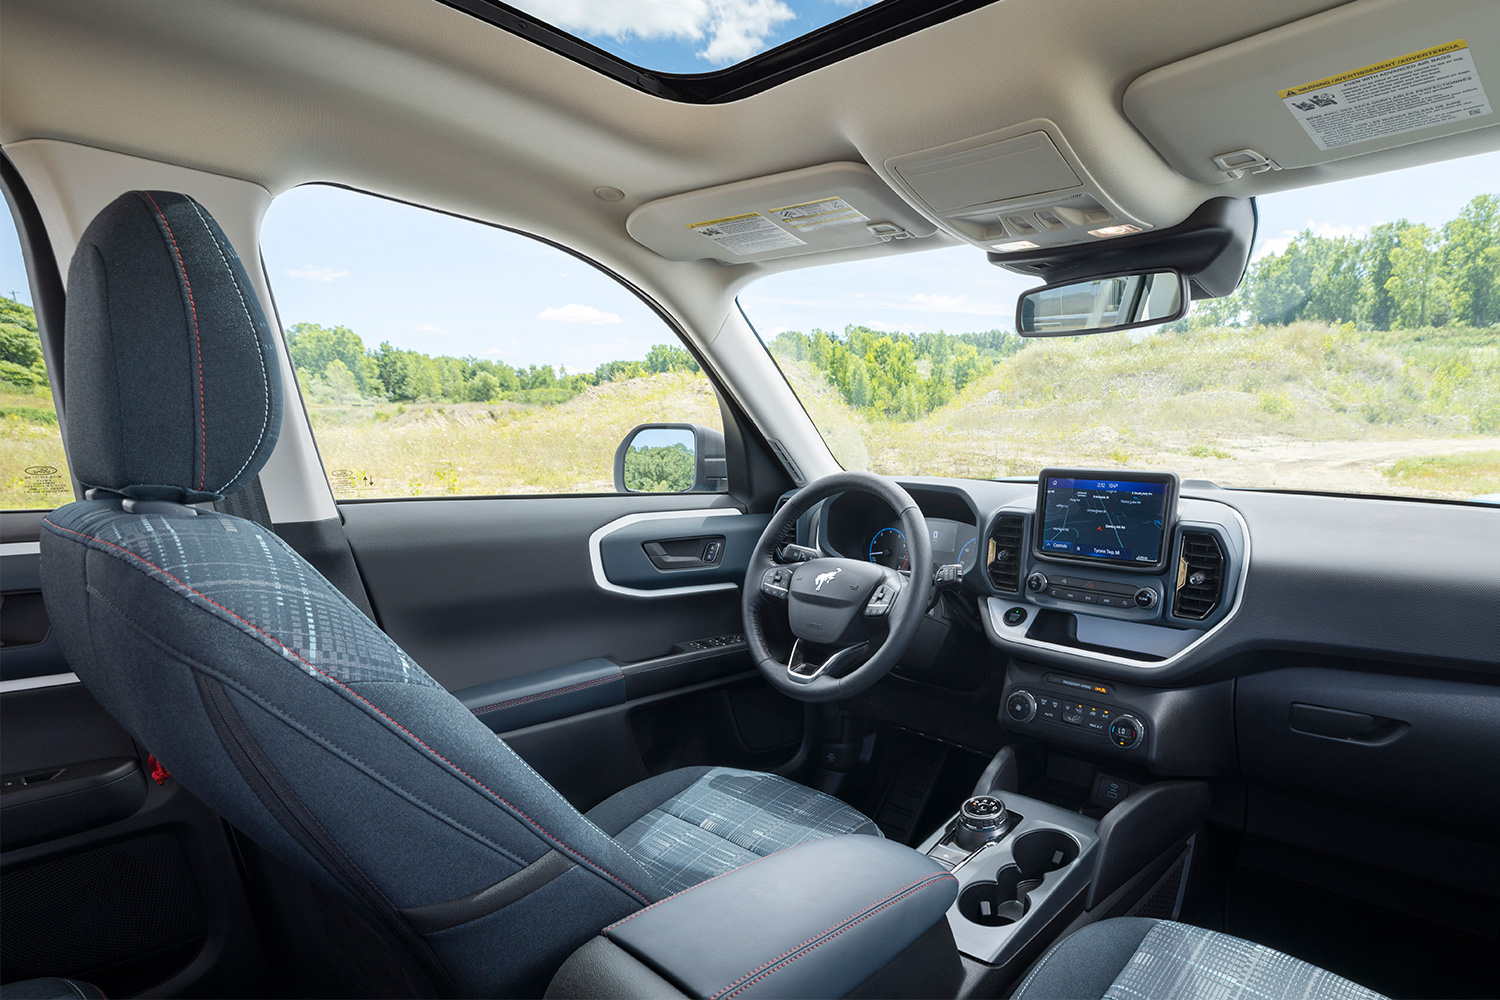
[442,285]
[688,36]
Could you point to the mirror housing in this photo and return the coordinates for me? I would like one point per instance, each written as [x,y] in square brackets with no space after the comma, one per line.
[671,458]
[1121,301]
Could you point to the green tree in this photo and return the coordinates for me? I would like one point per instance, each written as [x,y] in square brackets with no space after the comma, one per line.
[1378,307]
[1471,261]
[664,469]
[482,388]
[1416,277]
[669,358]
[313,348]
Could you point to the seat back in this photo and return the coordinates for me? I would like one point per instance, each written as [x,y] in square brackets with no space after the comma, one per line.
[254,681]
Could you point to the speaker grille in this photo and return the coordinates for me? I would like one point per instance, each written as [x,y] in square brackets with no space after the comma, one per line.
[1007,539]
[1200,576]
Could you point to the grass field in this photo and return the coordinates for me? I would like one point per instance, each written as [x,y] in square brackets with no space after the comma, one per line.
[1306,406]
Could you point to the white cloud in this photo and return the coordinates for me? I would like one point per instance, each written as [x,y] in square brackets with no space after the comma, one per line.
[732,29]
[575,313]
[739,29]
[309,273]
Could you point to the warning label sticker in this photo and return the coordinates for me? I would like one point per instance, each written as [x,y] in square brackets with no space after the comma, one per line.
[746,234]
[823,214]
[1420,90]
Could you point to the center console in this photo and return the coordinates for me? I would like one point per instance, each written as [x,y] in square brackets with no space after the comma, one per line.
[1016,876]
[1113,567]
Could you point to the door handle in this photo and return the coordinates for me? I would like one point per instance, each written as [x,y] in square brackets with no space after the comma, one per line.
[685,553]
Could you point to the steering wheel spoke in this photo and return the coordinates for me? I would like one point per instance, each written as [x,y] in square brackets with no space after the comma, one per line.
[776,583]
[804,671]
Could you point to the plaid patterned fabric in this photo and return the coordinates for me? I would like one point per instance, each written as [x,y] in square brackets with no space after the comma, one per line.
[246,576]
[1178,961]
[728,818]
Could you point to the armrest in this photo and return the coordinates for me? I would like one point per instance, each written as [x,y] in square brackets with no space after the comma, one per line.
[813,921]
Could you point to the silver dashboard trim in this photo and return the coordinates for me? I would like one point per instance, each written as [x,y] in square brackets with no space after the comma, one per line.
[1003,635]
[20,548]
[596,558]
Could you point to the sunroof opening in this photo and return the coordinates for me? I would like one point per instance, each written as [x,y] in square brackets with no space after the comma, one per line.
[711,51]
[689,36]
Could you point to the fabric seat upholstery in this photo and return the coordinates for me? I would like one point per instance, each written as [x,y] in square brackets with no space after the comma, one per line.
[697,822]
[1133,958]
[258,684]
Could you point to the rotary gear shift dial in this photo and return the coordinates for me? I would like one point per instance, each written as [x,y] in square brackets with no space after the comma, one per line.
[980,820]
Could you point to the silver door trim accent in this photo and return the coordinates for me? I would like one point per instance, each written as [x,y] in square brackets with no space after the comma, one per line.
[596,558]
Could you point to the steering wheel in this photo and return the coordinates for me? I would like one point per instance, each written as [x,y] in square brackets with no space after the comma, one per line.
[843,612]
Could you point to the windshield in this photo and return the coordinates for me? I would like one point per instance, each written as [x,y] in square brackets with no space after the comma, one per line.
[1361,354]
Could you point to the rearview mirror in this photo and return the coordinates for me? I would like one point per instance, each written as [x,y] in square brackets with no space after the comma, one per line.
[1099,305]
[671,458]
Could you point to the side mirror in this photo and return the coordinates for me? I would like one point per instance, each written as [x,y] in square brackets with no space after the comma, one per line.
[671,458]
[1099,305]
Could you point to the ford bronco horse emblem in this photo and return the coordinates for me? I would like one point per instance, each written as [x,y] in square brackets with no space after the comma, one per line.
[823,578]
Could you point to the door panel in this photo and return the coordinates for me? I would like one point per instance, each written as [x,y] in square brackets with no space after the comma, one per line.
[550,619]
[481,590]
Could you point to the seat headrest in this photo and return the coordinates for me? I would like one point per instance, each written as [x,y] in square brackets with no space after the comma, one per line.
[172,386]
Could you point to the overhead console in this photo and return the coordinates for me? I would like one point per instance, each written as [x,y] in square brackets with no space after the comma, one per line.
[1357,80]
[1021,188]
[1111,566]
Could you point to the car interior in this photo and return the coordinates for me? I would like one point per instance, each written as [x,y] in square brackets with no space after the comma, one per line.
[734,714]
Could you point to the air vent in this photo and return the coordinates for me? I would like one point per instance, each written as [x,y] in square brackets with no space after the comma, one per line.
[1200,576]
[1007,540]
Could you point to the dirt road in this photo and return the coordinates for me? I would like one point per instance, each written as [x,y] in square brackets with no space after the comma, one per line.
[1352,466]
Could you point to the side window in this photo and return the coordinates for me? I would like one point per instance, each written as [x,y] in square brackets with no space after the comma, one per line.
[34,474]
[440,356]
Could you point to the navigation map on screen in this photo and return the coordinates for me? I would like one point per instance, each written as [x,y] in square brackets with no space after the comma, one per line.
[1104,519]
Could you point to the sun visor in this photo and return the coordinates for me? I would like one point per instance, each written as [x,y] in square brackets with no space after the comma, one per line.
[834,206]
[1368,76]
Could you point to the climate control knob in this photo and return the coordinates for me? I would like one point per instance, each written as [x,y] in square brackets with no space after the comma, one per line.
[1127,732]
[1036,583]
[1020,706]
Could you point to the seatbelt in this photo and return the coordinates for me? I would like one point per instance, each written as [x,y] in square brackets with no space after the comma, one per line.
[248,503]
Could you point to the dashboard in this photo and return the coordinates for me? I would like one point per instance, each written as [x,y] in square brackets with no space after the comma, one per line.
[1238,572]
[1279,637]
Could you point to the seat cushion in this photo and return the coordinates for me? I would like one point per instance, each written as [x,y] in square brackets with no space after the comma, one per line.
[689,825]
[1139,959]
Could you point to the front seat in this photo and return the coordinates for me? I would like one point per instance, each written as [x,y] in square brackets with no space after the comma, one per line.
[275,700]
[1135,958]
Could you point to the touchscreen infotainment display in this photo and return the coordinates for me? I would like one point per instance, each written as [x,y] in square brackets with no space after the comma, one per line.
[1086,516]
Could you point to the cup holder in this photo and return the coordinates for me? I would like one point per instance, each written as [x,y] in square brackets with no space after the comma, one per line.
[1001,902]
[1007,898]
[1043,851]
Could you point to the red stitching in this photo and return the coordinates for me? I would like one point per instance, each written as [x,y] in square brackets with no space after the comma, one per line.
[699,885]
[533,823]
[198,345]
[837,929]
[546,694]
